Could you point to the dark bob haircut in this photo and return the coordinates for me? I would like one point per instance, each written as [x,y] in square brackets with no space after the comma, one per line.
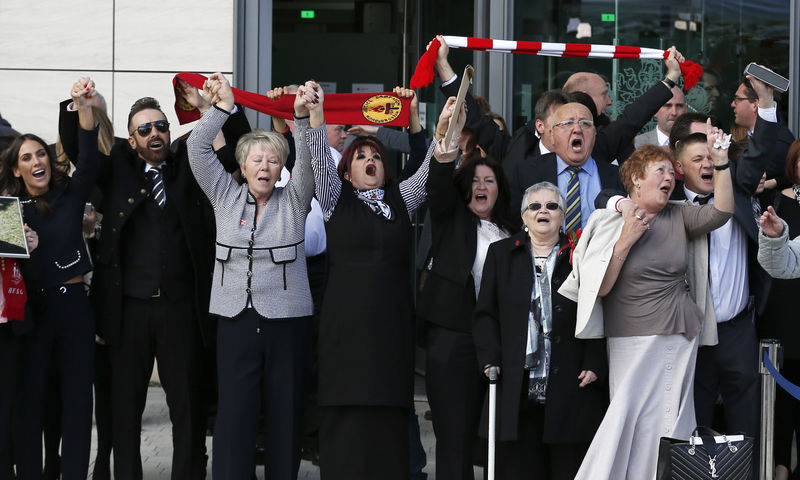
[350,152]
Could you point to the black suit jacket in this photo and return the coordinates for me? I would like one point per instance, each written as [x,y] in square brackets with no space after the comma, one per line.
[500,331]
[615,140]
[124,189]
[448,297]
[766,152]
[545,168]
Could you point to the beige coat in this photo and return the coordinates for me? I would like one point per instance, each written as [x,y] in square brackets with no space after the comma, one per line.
[589,264]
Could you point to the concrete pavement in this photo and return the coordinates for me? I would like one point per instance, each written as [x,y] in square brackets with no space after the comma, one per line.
[157,440]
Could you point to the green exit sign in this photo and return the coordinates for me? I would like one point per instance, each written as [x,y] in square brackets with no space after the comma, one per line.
[608,17]
[307,13]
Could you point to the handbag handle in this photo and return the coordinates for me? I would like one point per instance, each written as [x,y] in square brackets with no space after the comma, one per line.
[733,448]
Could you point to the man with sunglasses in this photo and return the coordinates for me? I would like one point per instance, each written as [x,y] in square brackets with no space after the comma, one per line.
[152,283]
[570,166]
[754,108]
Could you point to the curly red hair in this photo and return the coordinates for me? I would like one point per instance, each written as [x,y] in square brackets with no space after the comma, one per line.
[636,164]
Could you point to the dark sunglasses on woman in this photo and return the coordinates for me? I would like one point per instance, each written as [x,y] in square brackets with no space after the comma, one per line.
[536,206]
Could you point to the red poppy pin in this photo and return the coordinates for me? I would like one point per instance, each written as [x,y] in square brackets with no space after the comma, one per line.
[573,238]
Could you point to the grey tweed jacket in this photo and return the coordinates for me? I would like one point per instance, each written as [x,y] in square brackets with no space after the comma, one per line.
[262,263]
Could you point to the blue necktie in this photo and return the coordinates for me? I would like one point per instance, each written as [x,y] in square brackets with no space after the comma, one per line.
[573,213]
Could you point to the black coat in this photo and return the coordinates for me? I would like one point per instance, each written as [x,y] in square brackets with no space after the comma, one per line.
[124,189]
[448,297]
[545,168]
[500,327]
[766,151]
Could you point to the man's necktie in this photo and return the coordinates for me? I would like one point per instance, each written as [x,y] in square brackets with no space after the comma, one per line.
[573,213]
[704,200]
[154,175]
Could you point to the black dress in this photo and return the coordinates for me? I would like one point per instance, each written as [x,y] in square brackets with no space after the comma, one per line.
[779,323]
[366,341]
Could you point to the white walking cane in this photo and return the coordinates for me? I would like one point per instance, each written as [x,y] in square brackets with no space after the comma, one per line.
[492,417]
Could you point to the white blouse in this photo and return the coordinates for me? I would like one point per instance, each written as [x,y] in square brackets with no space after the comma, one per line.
[488,233]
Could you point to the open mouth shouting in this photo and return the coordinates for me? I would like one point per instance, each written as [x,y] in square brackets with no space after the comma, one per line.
[707,178]
[371,170]
[155,144]
[38,173]
[576,144]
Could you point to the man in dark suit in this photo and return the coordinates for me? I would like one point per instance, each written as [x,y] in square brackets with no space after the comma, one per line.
[665,118]
[573,134]
[754,108]
[151,285]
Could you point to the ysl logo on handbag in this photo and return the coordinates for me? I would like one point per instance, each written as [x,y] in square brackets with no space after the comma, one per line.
[712,466]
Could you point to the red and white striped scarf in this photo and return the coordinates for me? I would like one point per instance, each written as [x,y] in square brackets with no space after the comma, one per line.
[423,74]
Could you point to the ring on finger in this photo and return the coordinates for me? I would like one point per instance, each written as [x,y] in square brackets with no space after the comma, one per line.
[639,217]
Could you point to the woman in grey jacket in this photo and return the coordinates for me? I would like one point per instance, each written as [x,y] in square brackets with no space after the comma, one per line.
[260,288]
[778,255]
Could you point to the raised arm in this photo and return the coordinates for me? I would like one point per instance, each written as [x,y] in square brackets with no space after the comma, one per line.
[88,163]
[413,189]
[614,138]
[206,167]
[301,184]
[718,144]
[327,184]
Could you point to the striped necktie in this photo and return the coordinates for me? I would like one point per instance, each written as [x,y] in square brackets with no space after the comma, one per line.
[154,175]
[573,213]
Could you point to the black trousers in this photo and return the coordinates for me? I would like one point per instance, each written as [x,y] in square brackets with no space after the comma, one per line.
[530,459]
[317,273]
[268,360]
[8,389]
[165,330]
[63,336]
[102,413]
[363,442]
[455,394]
[730,369]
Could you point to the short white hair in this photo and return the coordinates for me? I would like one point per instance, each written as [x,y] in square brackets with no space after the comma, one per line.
[543,186]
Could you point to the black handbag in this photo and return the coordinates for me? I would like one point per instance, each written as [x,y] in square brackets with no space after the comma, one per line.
[713,455]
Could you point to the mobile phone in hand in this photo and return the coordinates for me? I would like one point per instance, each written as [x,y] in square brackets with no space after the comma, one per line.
[774,80]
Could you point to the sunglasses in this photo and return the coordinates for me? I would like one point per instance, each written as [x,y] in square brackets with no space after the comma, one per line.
[145,128]
[536,206]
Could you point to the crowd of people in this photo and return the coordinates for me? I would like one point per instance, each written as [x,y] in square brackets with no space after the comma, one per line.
[617,281]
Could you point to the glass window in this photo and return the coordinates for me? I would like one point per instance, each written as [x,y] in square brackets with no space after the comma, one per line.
[721,35]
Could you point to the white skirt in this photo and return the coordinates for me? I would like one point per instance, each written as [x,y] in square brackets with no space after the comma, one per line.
[651,383]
